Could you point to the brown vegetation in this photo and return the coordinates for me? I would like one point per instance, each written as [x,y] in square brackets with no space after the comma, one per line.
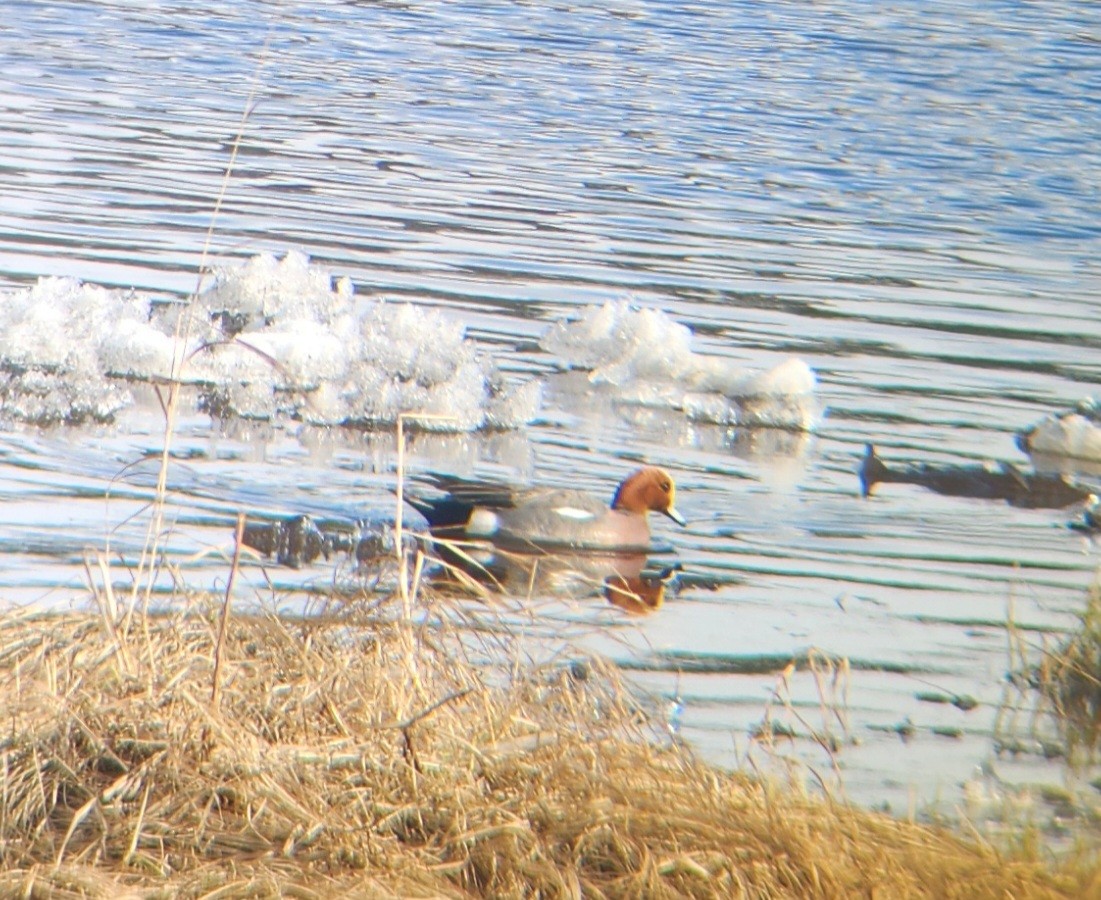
[1070,680]
[361,756]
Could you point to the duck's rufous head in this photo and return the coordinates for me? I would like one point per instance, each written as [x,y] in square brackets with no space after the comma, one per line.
[649,489]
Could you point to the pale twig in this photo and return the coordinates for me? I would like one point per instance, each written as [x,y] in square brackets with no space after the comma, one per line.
[399,511]
[132,849]
[238,539]
[108,609]
[399,542]
[179,357]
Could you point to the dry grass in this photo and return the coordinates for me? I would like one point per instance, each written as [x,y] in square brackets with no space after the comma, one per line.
[360,756]
[1069,678]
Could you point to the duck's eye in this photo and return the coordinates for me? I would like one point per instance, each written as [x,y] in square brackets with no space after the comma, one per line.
[665,487]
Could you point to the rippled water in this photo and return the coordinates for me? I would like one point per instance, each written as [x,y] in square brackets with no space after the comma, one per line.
[905,196]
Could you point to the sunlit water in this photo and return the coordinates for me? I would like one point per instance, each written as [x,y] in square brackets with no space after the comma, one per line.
[906,197]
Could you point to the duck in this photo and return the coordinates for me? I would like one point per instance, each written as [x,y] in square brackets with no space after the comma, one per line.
[541,519]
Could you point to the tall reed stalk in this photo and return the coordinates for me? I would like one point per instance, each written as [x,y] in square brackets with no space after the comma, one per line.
[145,576]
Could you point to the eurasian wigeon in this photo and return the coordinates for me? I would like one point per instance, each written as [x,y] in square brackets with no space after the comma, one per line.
[549,518]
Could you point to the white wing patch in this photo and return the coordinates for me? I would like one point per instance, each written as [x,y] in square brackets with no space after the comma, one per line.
[483,523]
[572,512]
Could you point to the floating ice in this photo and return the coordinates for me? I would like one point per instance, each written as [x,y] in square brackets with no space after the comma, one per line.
[619,343]
[49,398]
[298,344]
[648,359]
[1074,433]
[272,337]
[267,289]
[511,407]
[137,349]
[51,369]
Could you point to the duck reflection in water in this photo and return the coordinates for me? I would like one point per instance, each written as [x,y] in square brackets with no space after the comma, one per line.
[626,580]
[643,594]
[629,581]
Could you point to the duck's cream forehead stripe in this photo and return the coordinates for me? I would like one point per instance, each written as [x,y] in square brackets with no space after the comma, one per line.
[572,512]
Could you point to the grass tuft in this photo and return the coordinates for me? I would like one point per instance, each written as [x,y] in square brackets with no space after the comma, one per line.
[1069,678]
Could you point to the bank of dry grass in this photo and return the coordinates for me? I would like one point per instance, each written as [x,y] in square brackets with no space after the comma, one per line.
[358,757]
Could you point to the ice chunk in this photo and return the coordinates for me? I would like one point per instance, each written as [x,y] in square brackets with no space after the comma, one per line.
[267,289]
[790,378]
[618,342]
[50,398]
[648,358]
[299,354]
[335,362]
[414,344]
[330,361]
[49,325]
[50,341]
[273,337]
[1074,433]
[136,349]
[513,406]
[32,331]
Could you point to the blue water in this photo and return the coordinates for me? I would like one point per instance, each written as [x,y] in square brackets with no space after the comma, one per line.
[904,195]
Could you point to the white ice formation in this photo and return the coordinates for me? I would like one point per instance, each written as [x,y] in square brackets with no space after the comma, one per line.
[647,358]
[273,337]
[1075,433]
[51,369]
